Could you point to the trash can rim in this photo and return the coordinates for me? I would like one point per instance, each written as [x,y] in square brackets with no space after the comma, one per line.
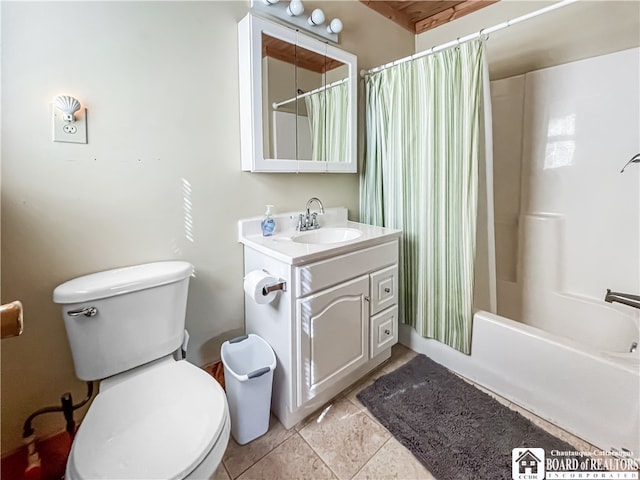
[255,373]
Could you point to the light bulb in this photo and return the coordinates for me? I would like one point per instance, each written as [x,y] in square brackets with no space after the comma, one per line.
[295,8]
[316,17]
[335,26]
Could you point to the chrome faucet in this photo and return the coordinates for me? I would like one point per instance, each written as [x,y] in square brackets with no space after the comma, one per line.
[308,220]
[624,298]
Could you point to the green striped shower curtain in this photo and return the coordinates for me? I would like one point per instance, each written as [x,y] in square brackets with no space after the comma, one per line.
[421,175]
[327,111]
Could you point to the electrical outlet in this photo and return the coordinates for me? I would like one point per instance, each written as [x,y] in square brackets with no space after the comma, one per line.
[70,129]
[70,132]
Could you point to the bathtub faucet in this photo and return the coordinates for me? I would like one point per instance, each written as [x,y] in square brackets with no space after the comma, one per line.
[624,298]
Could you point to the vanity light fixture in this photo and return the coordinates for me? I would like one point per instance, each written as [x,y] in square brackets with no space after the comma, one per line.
[292,13]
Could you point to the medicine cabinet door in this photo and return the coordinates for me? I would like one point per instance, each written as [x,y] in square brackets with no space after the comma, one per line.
[298,101]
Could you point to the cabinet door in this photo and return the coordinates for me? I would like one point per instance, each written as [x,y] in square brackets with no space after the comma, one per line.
[333,328]
[277,131]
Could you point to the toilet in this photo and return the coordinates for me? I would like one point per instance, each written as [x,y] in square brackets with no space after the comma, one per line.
[154,417]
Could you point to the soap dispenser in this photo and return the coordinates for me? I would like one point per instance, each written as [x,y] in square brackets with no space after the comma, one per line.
[268,223]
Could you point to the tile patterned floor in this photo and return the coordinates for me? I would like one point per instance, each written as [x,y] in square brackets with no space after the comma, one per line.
[342,441]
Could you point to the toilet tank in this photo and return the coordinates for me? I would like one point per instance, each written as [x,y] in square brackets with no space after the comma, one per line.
[134,315]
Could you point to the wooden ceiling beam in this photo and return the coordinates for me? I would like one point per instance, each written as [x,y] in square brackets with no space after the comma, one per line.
[391,13]
[451,14]
[420,16]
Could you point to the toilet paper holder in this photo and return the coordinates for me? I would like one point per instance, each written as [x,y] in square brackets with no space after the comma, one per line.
[274,287]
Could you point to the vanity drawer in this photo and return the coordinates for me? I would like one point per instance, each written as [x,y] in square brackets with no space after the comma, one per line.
[384,331]
[326,273]
[384,289]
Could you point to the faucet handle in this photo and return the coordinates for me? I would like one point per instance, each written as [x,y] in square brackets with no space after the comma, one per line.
[314,220]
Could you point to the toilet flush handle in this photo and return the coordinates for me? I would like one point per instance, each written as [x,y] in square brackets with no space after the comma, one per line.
[86,311]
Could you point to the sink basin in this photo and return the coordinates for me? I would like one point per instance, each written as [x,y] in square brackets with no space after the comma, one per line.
[328,235]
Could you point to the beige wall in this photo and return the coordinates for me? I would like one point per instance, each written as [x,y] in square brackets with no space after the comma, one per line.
[159,179]
[581,30]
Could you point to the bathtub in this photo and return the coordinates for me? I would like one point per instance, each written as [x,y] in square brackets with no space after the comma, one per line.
[592,391]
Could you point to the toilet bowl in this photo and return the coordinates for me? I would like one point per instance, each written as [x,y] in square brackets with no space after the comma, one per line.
[154,417]
[167,420]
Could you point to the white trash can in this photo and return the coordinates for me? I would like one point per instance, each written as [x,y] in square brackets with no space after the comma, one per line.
[249,363]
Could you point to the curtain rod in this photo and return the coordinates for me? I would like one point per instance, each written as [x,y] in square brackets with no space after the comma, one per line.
[310,92]
[472,36]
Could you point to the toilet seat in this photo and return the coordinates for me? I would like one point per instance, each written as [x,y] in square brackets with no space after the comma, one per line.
[161,421]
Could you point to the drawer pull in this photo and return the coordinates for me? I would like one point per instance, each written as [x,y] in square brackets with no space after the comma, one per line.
[387,290]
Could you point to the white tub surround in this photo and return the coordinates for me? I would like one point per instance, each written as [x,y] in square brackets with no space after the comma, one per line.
[336,318]
[567,219]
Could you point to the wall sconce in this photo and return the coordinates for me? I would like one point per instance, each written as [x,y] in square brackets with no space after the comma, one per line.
[291,12]
[69,120]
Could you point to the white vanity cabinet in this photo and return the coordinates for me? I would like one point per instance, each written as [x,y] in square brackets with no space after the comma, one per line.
[336,321]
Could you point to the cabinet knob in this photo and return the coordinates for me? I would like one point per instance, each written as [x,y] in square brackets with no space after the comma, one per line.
[387,332]
[387,290]
[367,298]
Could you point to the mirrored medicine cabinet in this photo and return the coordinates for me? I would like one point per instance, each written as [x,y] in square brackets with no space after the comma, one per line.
[297,101]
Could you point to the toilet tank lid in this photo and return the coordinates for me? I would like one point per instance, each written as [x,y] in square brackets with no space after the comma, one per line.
[121,280]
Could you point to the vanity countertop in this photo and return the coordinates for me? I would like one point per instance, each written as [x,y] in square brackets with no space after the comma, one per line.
[291,247]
